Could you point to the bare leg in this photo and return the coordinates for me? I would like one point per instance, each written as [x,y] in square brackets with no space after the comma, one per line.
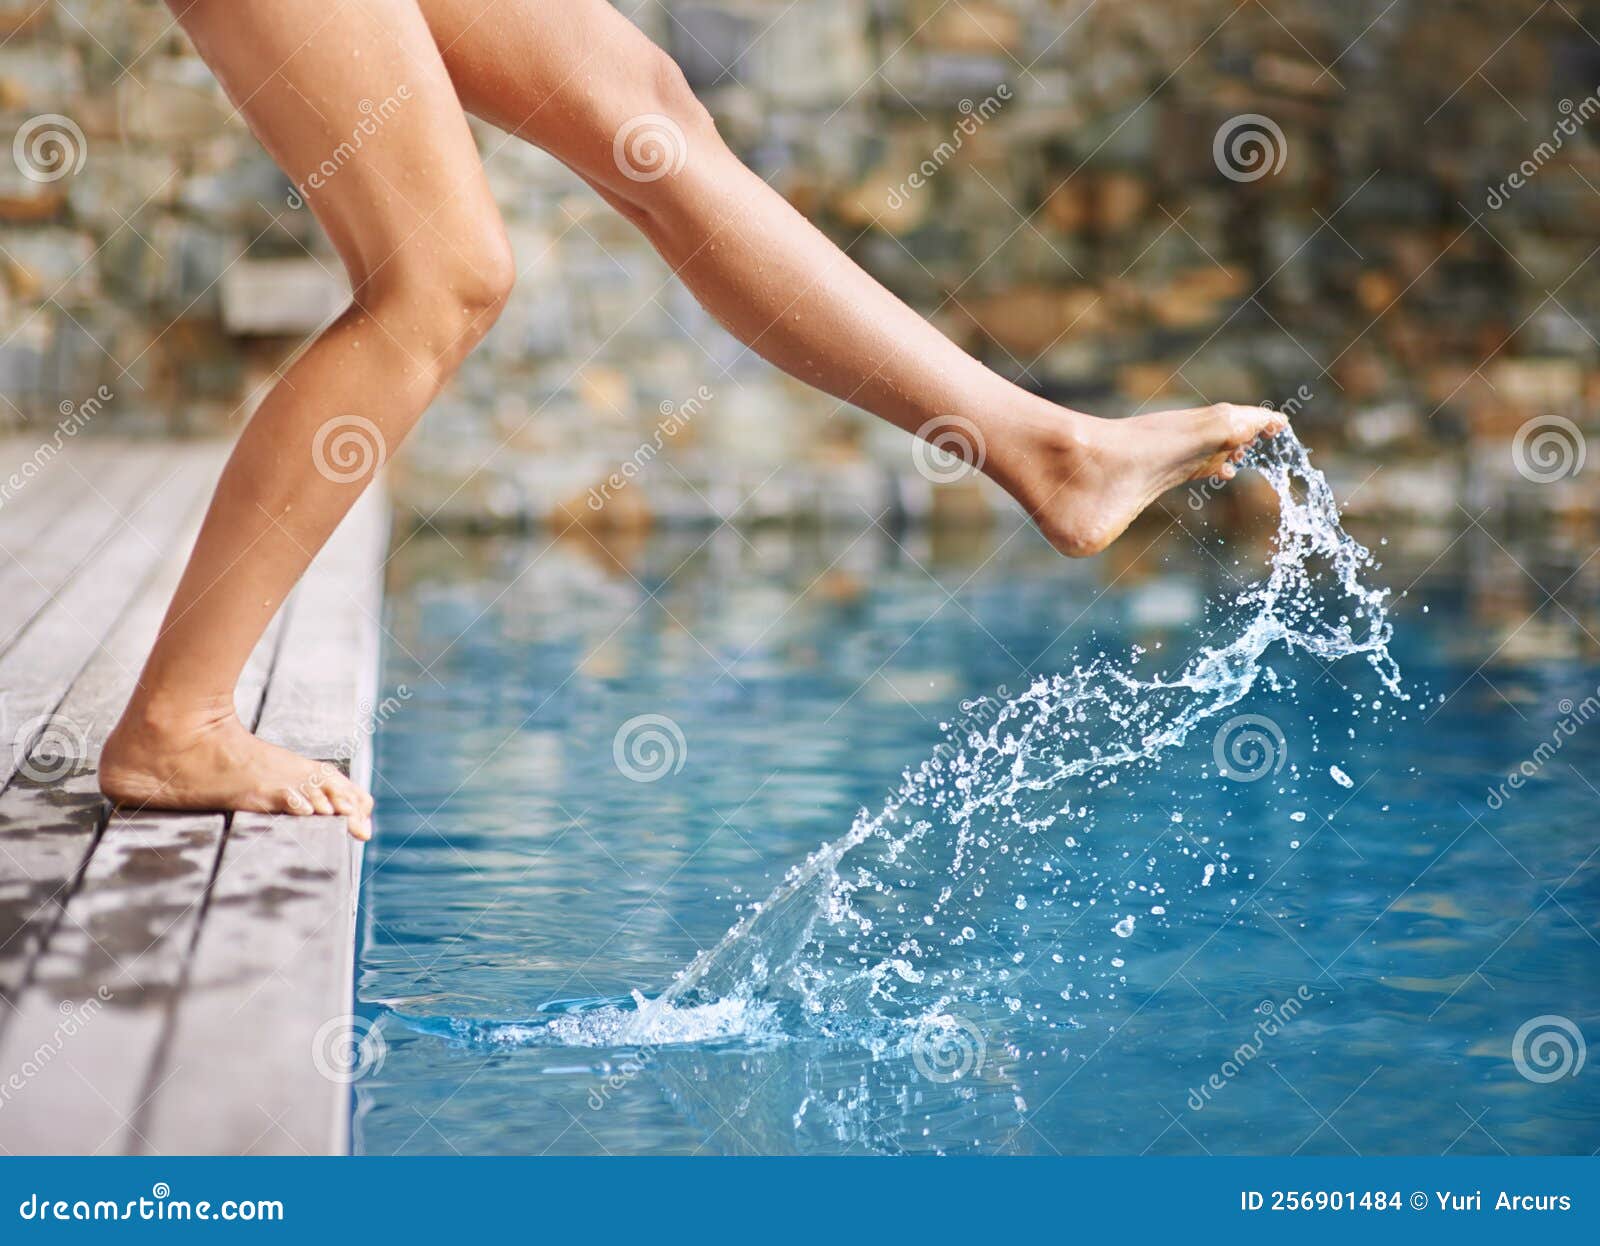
[573,77]
[409,211]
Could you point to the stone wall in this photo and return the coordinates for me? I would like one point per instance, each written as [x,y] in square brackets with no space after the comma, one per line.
[1066,187]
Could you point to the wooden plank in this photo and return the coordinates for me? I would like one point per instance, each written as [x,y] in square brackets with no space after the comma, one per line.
[114,962]
[49,815]
[118,479]
[25,512]
[50,488]
[267,1002]
[51,649]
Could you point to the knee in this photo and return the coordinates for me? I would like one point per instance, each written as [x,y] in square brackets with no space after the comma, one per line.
[664,134]
[480,280]
[441,298]
[669,93]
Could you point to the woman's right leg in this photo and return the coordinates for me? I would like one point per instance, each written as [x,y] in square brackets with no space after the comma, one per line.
[401,193]
[578,79]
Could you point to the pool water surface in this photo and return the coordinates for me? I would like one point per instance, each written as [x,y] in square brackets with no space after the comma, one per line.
[603,756]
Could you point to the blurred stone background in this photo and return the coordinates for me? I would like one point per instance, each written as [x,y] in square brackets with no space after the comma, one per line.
[1075,227]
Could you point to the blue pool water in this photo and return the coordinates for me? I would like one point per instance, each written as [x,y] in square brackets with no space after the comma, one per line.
[1348,975]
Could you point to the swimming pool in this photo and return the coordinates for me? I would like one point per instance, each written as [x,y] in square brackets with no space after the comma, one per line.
[1353,980]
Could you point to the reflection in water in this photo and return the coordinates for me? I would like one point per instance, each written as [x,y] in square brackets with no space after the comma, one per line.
[518,868]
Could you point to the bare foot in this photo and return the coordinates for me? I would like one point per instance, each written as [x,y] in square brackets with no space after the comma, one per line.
[1084,480]
[214,763]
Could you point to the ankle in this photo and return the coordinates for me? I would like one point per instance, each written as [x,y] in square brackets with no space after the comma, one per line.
[1036,437]
[166,715]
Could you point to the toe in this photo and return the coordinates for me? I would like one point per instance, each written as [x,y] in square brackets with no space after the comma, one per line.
[339,783]
[1243,424]
[1221,469]
[346,801]
[1268,422]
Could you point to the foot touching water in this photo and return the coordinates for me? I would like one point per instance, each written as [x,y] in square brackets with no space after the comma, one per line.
[1085,480]
[213,763]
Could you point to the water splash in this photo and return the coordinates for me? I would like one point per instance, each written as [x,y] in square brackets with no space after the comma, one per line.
[854,932]
[615,1023]
[933,910]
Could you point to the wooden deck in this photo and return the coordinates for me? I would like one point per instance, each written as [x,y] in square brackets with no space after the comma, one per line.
[169,983]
